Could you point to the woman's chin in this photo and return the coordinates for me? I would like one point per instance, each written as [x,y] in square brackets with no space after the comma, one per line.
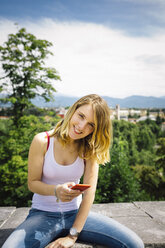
[73,136]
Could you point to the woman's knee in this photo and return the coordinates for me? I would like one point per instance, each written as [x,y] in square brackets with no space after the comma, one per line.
[133,240]
[15,240]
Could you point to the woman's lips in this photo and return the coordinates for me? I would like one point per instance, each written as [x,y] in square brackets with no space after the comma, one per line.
[77,131]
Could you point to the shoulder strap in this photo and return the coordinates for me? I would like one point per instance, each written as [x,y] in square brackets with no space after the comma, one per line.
[48,139]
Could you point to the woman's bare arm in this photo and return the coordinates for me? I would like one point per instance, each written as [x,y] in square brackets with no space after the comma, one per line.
[35,166]
[90,177]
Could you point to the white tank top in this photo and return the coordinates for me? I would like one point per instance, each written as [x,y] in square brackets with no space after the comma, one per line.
[54,173]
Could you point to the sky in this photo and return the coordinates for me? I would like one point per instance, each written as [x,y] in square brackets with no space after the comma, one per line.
[112,48]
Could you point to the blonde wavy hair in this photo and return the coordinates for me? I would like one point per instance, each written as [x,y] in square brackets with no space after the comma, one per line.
[97,144]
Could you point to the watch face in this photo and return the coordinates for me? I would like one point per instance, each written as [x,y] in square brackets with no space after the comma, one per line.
[73,231]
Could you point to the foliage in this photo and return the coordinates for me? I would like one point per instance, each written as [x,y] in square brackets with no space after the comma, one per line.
[117,182]
[25,75]
[132,170]
[160,160]
[13,157]
[41,111]
[146,139]
[124,130]
[146,157]
[136,170]
[151,180]
[14,182]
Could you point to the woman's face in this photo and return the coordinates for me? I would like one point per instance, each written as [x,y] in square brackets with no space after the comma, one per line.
[82,122]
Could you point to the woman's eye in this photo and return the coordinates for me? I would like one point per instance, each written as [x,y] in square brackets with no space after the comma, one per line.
[92,126]
[81,116]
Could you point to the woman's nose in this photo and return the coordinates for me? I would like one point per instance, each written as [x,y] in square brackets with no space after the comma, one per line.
[82,124]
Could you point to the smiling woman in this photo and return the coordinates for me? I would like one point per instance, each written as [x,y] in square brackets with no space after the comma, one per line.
[60,215]
[89,118]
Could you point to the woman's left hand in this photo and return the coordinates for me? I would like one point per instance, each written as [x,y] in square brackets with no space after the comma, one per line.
[65,242]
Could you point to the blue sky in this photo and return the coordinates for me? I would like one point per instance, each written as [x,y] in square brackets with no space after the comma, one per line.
[109,47]
[137,17]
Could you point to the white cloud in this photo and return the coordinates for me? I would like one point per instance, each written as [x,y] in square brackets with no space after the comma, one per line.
[92,58]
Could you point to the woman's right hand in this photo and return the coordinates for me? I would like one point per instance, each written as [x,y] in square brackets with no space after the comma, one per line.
[65,193]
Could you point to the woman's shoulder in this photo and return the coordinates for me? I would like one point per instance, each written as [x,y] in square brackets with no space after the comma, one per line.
[43,136]
[41,139]
[39,143]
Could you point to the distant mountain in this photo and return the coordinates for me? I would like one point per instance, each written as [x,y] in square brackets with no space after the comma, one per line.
[59,100]
[137,102]
[128,102]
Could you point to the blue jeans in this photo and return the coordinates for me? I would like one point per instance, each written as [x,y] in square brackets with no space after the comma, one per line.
[42,227]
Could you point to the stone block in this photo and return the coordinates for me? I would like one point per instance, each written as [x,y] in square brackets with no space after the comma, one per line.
[155,210]
[12,221]
[6,212]
[145,218]
[118,209]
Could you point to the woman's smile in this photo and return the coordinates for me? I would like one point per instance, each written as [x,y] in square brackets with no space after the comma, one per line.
[77,131]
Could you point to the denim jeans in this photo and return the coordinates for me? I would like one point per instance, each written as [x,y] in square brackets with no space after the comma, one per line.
[42,227]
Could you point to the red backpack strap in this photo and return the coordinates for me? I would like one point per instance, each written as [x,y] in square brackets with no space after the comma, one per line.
[48,139]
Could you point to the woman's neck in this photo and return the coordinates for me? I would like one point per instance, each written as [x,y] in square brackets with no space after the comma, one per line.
[71,145]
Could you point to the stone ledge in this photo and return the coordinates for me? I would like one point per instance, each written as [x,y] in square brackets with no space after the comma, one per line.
[147,219]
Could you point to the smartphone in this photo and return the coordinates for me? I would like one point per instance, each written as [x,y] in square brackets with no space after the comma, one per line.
[81,187]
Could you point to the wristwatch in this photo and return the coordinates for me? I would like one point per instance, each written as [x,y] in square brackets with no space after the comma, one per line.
[73,232]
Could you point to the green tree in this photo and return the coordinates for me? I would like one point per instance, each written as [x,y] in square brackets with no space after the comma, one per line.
[158,119]
[116,181]
[151,181]
[155,128]
[127,131]
[25,74]
[14,155]
[160,160]
[146,157]
[146,138]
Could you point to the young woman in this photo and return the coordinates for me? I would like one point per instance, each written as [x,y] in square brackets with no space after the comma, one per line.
[57,160]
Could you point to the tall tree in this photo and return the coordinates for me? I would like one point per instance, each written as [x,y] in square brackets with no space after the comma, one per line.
[25,74]
[160,160]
